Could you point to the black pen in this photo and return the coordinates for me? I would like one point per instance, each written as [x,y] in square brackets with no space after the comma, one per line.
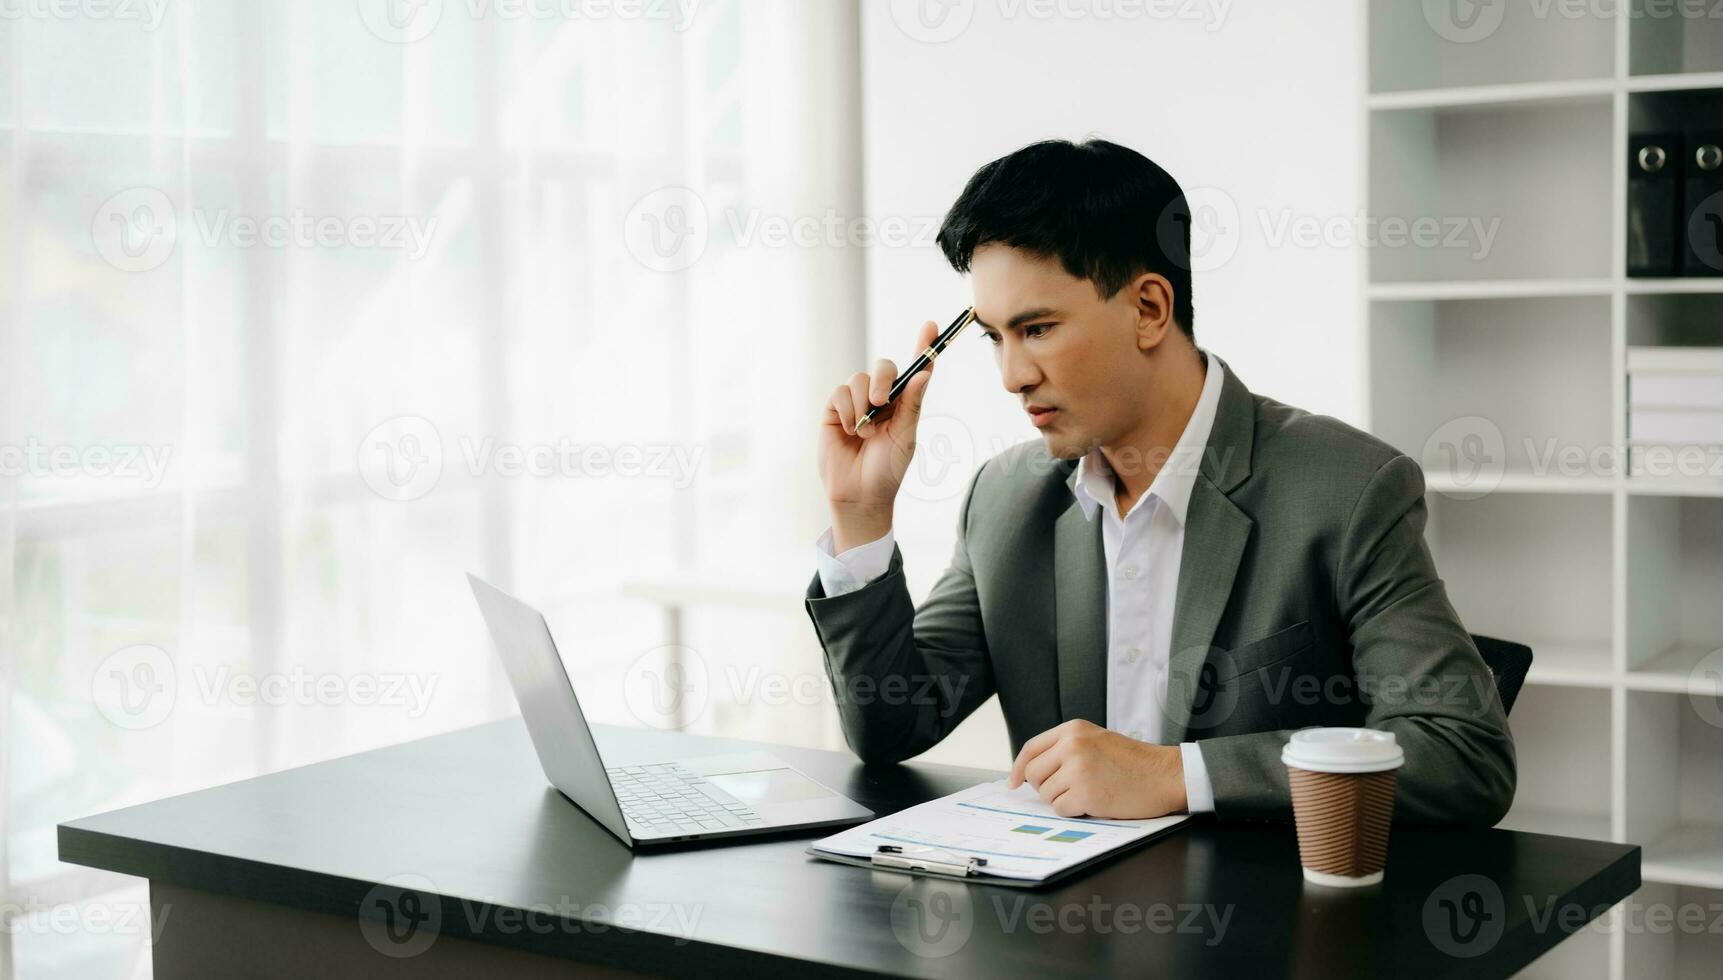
[922,363]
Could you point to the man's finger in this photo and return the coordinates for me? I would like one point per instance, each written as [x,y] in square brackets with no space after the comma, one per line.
[1052,786]
[1031,749]
[859,402]
[929,333]
[1064,802]
[1042,767]
[909,403]
[838,409]
[884,375]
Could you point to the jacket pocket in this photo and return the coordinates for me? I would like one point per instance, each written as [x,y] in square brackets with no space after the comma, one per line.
[1269,650]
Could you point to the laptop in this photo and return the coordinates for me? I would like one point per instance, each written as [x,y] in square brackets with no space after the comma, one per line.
[652,803]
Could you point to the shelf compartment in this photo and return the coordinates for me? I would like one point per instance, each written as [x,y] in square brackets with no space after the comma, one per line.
[1428,45]
[1539,370]
[1507,178]
[1670,932]
[1674,565]
[1674,804]
[1666,38]
[1532,568]
[1562,664]
[1680,319]
[1690,854]
[1684,110]
[1561,737]
[1693,113]
[1675,318]
[1682,668]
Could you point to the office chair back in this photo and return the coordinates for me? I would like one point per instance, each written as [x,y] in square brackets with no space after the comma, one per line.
[1508,661]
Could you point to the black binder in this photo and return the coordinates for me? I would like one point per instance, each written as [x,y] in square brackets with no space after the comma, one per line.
[1702,205]
[1653,204]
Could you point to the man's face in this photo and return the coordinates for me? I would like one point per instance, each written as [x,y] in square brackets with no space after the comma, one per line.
[1059,345]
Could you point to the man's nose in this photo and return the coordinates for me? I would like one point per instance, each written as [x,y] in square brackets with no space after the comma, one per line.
[1017,369]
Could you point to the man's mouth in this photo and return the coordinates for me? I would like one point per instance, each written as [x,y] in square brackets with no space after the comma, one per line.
[1041,416]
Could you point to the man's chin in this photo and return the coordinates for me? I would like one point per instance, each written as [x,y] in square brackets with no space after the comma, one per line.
[1064,445]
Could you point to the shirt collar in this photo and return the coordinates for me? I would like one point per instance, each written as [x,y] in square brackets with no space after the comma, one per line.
[1172,485]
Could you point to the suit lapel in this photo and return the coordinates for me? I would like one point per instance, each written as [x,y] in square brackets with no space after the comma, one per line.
[1216,533]
[1080,614]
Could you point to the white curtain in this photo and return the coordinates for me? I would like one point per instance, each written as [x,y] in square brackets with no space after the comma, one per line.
[308,308]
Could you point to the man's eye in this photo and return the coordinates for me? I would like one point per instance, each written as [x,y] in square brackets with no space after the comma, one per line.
[1037,329]
[992,338]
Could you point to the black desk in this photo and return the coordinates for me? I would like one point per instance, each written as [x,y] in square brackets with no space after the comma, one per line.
[294,873]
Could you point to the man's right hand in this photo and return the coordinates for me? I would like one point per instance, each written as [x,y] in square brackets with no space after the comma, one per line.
[863,470]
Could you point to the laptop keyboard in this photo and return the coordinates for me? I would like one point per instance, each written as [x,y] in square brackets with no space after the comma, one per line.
[667,798]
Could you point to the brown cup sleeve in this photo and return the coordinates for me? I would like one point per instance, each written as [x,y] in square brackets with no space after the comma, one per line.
[1342,820]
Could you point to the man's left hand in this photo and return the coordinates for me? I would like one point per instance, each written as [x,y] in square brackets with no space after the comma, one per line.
[1080,768]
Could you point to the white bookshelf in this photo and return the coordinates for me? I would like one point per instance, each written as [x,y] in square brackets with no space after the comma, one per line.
[1614,581]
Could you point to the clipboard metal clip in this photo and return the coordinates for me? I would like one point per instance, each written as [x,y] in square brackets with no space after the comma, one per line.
[931,860]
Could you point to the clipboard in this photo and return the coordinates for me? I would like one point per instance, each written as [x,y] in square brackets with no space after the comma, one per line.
[942,864]
[989,836]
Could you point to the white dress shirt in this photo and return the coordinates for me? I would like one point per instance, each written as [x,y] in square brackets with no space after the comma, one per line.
[1143,551]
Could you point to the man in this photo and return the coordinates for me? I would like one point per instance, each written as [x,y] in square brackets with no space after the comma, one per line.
[1178,574]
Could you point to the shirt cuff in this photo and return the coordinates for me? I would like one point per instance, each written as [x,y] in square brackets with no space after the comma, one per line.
[855,568]
[1199,792]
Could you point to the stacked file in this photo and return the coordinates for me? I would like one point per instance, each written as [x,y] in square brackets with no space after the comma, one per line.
[1675,411]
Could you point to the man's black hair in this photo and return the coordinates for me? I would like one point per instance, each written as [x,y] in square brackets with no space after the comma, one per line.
[1106,212]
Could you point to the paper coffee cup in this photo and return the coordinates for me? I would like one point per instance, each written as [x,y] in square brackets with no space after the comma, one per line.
[1342,801]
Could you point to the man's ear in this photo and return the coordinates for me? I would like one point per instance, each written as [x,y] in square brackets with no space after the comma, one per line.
[1151,298]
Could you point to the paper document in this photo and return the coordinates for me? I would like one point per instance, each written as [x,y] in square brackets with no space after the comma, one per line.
[1019,835]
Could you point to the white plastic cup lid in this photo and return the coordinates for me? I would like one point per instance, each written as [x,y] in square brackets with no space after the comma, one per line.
[1343,750]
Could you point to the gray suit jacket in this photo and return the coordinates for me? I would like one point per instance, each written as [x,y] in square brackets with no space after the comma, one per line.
[1306,596]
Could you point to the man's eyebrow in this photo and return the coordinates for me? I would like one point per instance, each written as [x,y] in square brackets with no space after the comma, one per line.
[1017,320]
